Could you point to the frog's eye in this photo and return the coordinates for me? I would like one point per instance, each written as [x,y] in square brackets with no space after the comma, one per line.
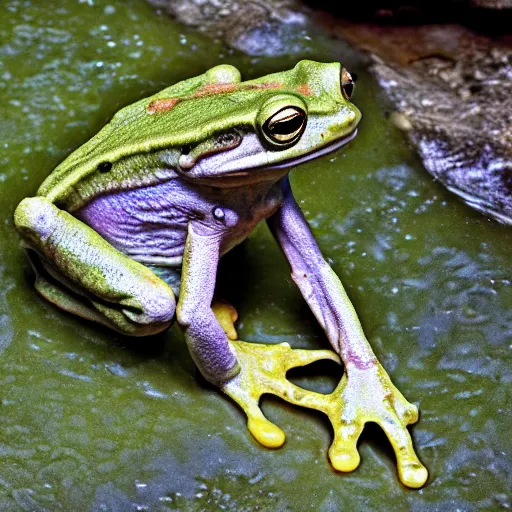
[286,125]
[347,84]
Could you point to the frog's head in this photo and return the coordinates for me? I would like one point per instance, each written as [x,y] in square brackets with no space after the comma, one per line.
[214,128]
[281,120]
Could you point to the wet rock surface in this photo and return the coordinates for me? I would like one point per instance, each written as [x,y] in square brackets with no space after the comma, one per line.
[493,4]
[453,92]
[255,27]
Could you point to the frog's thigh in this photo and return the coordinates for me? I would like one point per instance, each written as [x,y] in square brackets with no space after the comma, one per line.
[82,273]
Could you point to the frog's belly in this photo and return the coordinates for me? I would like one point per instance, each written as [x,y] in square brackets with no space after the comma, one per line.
[147,224]
[150,224]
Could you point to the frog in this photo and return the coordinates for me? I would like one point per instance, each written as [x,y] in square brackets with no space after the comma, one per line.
[129,229]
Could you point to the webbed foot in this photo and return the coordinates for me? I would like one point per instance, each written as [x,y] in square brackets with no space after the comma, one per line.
[363,395]
[368,395]
[263,370]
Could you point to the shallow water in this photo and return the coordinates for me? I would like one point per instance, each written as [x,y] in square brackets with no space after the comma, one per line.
[92,420]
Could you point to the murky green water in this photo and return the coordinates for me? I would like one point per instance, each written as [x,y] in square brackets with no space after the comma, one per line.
[94,421]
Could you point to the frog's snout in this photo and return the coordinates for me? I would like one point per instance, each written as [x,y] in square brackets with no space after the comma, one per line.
[35,218]
[354,116]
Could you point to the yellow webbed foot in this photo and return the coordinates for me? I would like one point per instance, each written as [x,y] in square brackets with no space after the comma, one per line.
[363,395]
[263,370]
[368,395]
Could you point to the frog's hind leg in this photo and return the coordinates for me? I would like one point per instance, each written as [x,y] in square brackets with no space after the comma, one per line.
[80,272]
[263,371]
[59,295]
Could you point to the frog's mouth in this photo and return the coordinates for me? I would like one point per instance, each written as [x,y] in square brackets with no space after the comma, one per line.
[246,174]
[325,150]
[260,171]
[248,163]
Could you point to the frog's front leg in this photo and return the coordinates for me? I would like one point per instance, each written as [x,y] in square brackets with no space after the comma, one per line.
[207,342]
[244,371]
[82,273]
[366,393]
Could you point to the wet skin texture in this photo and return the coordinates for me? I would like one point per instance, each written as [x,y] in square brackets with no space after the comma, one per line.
[178,179]
[92,418]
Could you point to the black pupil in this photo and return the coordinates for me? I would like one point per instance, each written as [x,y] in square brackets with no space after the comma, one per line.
[286,126]
[105,166]
[348,87]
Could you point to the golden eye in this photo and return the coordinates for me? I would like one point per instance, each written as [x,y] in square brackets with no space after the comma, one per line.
[285,126]
[347,84]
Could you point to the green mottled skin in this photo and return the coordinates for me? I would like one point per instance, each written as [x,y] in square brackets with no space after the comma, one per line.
[136,132]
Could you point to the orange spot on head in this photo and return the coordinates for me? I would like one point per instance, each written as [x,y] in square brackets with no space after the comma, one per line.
[268,85]
[208,89]
[162,105]
[272,85]
[304,89]
[167,104]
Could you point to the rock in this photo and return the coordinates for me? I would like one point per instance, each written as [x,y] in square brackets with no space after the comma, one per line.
[493,4]
[252,26]
[453,91]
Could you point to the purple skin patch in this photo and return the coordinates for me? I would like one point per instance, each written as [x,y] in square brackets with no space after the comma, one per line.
[149,224]
[150,221]
[319,285]
[177,220]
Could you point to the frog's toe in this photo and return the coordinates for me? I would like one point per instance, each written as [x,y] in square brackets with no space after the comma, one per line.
[300,357]
[413,475]
[226,315]
[246,389]
[343,452]
[246,393]
[407,412]
[411,471]
[265,432]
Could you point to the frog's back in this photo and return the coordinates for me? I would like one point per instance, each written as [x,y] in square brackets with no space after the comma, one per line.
[137,129]
[189,112]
